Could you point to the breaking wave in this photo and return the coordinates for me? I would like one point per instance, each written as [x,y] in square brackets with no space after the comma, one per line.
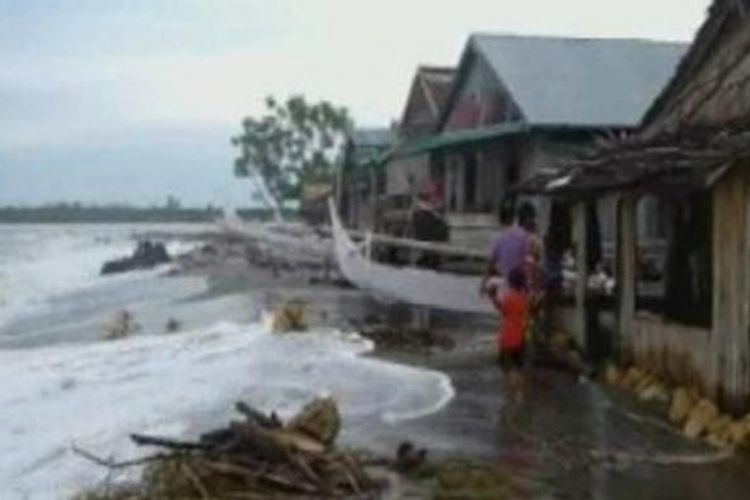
[94,395]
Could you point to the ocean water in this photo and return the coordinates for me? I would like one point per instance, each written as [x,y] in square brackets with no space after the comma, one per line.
[41,265]
[62,386]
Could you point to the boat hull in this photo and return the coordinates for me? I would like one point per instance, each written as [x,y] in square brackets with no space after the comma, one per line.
[418,287]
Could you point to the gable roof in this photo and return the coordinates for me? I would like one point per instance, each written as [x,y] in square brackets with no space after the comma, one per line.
[437,84]
[576,81]
[429,91]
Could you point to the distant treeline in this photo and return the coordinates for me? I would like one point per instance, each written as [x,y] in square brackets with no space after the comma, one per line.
[64,213]
[60,213]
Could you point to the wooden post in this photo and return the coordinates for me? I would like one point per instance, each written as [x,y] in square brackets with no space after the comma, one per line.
[579,240]
[626,264]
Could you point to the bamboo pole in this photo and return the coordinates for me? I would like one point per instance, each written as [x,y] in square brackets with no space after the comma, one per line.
[442,248]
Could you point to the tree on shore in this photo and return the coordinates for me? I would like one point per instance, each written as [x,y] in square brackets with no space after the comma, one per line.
[292,143]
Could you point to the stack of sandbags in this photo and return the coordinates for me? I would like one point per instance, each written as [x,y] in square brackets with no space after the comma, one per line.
[697,417]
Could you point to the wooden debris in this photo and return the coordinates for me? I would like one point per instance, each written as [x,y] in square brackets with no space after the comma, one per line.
[258,457]
[290,317]
[319,420]
[120,326]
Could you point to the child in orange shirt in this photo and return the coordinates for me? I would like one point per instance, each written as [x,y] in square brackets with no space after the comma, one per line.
[513,308]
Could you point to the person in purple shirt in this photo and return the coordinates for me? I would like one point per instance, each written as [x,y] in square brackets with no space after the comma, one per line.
[509,248]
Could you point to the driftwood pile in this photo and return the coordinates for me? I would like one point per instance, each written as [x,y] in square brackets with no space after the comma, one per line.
[256,457]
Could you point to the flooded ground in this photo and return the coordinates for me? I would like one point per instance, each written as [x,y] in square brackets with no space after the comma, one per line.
[567,438]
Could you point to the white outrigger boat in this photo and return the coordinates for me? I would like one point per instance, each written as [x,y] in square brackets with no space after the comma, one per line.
[419,287]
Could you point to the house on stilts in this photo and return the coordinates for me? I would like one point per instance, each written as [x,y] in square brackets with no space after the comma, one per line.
[691,155]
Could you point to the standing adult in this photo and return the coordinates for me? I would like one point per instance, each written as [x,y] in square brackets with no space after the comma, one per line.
[508,249]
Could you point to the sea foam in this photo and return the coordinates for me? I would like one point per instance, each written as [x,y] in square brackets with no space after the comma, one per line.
[94,395]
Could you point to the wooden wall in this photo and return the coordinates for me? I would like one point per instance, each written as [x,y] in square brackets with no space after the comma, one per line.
[717,359]
[674,352]
[730,341]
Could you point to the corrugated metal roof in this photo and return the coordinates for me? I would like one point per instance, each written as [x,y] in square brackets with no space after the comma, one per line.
[573,81]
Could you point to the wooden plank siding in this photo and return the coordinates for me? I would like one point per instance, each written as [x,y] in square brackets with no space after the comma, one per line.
[677,353]
[672,351]
[730,341]
[625,274]
[717,359]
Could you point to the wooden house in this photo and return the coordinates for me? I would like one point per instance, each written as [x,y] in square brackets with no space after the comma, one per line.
[693,155]
[519,103]
[361,178]
[406,175]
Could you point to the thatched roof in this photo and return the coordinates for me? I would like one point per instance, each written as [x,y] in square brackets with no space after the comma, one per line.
[690,159]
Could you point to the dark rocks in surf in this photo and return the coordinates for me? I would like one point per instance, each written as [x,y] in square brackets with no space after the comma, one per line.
[146,256]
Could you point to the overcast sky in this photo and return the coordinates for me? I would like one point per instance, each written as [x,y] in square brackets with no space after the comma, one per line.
[133,100]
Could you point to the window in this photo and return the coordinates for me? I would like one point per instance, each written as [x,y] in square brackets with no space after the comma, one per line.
[675,266]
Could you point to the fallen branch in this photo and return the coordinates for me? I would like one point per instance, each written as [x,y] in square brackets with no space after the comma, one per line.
[172,444]
[111,464]
[259,418]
